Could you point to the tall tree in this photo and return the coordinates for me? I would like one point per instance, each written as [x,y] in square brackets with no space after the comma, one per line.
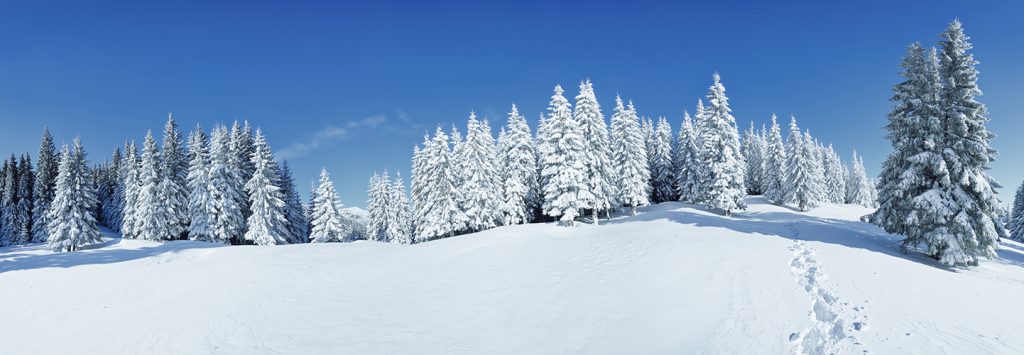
[662,176]
[835,177]
[441,215]
[799,174]
[753,152]
[266,223]
[23,209]
[71,221]
[298,226]
[8,203]
[519,170]
[399,228]
[200,200]
[173,188]
[564,161]
[722,175]
[151,215]
[377,207]
[597,165]
[325,214]
[44,187]
[1016,224]
[225,184]
[480,185]
[687,162]
[858,186]
[129,218]
[628,158]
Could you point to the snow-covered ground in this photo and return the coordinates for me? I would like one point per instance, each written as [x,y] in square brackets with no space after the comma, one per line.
[675,279]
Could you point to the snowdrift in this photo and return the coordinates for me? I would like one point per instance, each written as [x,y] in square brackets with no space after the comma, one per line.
[674,279]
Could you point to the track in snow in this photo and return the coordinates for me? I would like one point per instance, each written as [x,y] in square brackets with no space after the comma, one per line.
[827,333]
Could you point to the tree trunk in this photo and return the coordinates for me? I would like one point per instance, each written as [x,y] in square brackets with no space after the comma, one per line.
[595,217]
[632,210]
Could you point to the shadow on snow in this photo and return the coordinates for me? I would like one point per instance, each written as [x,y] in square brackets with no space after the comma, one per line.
[17,258]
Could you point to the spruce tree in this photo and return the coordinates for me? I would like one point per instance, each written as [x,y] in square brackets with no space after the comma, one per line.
[628,158]
[835,178]
[519,170]
[687,162]
[225,185]
[377,207]
[44,187]
[662,176]
[8,203]
[753,149]
[325,213]
[399,217]
[266,223]
[598,194]
[564,162]
[173,187]
[799,179]
[775,165]
[722,173]
[200,200]
[1016,224]
[71,222]
[441,214]
[298,226]
[858,188]
[479,185]
[151,217]
[129,218]
[23,209]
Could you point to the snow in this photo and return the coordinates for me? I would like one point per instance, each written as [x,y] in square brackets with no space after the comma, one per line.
[674,279]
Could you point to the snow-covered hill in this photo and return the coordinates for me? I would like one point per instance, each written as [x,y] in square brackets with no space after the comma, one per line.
[675,279]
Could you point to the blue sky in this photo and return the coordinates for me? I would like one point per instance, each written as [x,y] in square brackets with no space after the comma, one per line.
[352,86]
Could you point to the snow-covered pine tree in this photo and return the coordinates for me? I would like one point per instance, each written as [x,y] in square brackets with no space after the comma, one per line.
[173,187]
[754,148]
[200,199]
[799,179]
[71,221]
[44,186]
[564,162]
[226,188]
[399,218]
[242,149]
[598,194]
[519,165]
[662,176]
[628,158]
[817,167]
[377,207]
[915,108]
[835,177]
[129,217]
[1016,225]
[858,188]
[480,187]
[151,215]
[723,170]
[114,203]
[23,209]
[441,214]
[325,214]
[687,162]
[298,226]
[8,203]
[418,185]
[458,174]
[266,223]
[775,165]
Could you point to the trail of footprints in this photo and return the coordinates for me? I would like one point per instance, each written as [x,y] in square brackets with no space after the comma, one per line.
[832,325]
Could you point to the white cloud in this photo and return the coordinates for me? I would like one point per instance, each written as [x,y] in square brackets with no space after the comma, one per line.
[330,134]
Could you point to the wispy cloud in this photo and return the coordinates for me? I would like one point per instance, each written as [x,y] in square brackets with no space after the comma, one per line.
[336,133]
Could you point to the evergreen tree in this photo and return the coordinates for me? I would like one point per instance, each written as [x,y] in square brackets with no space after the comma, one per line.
[598,194]
[266,223]
[399,218]
[628,158]
[519,174]
[298,226]
[325,214]
[200,200]
[23,209]
[441,215]
[418,186]
[647,126]
[1016,224]
[799,174]
[71,221]
[754,148]
[723,170]
[835,178]
[480,185]
[662,176]
[858,187]
[44,187]
[151,216]
[687,162]
[226,188]
[242,149]
[129,218]
[114,202]
[564,161]
[8,203]
[173,188]
[377,207]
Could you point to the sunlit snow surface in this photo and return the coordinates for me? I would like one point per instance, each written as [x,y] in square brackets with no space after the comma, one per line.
[674,279]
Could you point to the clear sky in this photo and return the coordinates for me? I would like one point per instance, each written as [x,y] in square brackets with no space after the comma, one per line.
[352,86]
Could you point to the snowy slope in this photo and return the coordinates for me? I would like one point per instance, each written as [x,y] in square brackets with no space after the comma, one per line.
[675,279]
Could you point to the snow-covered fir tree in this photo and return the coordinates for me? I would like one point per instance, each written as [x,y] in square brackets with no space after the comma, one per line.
[519,170]
[130,175]
[226,188]
[628,158]
[71,223]
[599,192]
[687,162]
[817,167]
[200,199]
[399,229]
[835,176]
[439,213]
[417,184]
[723,170]
[858,186]
[325,214]
[564,161]
[754,147]
[775,172]
[113,205]
[9,202]
[266,222]
[647,126]
[151,215]
[43,188]
[173,188]
[480,188]
[800,185]
[298,227]
[242,149]
[662,176]
[1016,225]
[377,207]
[23,208]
